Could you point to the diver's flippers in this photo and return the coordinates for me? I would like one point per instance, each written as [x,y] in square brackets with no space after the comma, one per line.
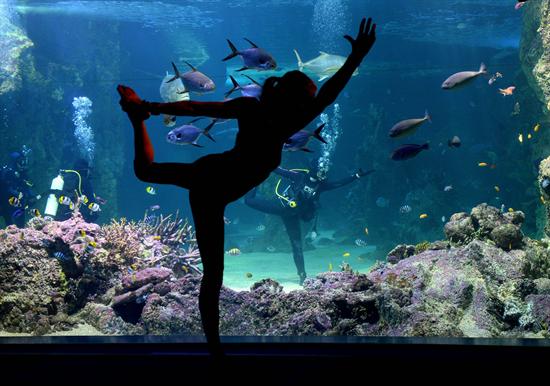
[317,133]
[234,51]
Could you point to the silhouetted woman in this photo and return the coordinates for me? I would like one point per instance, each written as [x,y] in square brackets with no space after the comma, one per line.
[287,105]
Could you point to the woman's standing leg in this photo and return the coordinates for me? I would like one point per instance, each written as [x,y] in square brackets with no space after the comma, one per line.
[294,231]
[209,231]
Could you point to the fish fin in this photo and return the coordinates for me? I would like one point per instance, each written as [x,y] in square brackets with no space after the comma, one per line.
[194,120]
[317,133]
[306,150]
[252,44]
[242,69]
[300,63]
[483,68]
[323,53]
[196,144]
[207,129]
[426,146]
[190,65]
[253,81]
[235,86]
[428,116]
[178,75]
[234,51]
[323,78]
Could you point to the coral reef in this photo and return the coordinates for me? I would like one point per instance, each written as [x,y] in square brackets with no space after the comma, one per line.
[535,49]
[13,42]
[50,270]
[486,280]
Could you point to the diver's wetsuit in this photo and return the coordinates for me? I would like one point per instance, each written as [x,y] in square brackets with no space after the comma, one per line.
[12,182]
[305,192]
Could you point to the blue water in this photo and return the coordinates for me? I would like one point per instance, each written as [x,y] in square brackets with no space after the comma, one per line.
[420,43]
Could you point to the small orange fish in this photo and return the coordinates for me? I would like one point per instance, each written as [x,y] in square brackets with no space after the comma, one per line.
[423,216]
[482,164]
[507,91]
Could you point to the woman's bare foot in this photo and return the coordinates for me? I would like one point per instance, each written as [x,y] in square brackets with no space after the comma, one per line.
[132,104]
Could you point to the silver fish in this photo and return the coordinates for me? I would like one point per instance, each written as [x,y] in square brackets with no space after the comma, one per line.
[253,90]
[408,126]
[300,140]
[324,66]
[461,78]
[189,134]
[254,57]
[193,80]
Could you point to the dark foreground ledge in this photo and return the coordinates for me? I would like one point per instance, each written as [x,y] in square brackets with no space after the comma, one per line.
[281,361]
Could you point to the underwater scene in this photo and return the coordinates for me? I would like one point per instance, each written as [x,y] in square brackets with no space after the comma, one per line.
[416,203]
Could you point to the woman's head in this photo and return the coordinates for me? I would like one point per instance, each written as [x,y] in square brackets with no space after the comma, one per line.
[293,90]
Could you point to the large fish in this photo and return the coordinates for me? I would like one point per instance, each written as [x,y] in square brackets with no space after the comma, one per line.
[323,66]
[189,134]
[172,92]
[194,80]
[408,151]
[254,57]
[300,140]
[408,126]
[253,89]
[461,78]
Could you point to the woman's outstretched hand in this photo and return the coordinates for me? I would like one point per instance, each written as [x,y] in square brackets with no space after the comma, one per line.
[131,103]
[361,45]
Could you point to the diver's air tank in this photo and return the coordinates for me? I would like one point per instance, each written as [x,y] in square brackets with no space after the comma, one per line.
[52,204]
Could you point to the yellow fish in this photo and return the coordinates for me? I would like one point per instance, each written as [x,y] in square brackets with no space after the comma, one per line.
[248,275]
[330,267]
[92,244]
[529,136]
[94,207]
[234,251]
[82,233]
[84,199]
[482,164]
[510,210]
[134,266]
[150,190]
[536,128]
[366,231]
[346,254]
[520,138]
[497,188]
[35,212]
[156,237]
[542,200]
[184,268]
[423,216]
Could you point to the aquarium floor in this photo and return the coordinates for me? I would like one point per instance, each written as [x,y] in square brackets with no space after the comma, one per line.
[280,266]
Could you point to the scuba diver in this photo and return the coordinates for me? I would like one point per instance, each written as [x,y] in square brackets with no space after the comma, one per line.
[78,183]
[299,201]
[16,195]
[287,105]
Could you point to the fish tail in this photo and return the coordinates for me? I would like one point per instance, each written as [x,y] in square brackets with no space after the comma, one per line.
[426,146]
[234,51]
[317,133]
[300,63]
[235,86]
[208,128]
[428,116]
[483,68]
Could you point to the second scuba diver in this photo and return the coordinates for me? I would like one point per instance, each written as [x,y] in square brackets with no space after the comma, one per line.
[298,202]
